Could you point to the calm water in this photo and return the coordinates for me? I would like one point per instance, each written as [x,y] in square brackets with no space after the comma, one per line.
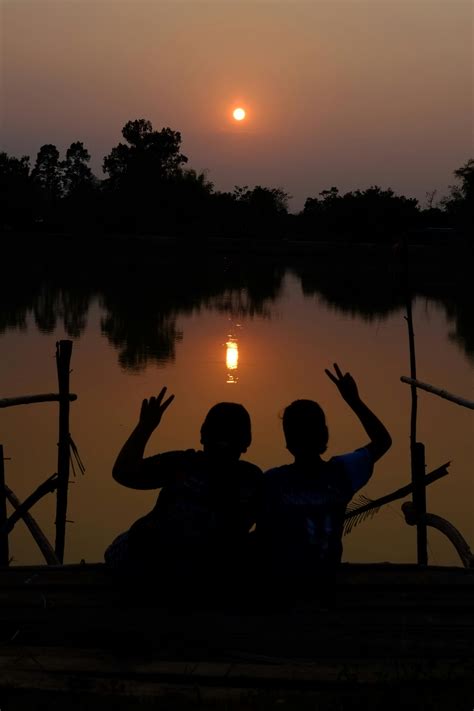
[260,335]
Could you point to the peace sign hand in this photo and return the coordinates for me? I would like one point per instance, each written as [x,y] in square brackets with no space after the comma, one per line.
[345,384]
[152,410]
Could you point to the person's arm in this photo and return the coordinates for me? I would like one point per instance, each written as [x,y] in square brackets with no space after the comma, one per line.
[380,440]
[130,466]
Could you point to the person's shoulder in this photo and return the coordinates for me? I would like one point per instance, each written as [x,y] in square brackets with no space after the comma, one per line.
[358,466]
[248,469]
[279,472]
[173,458]
[361,455]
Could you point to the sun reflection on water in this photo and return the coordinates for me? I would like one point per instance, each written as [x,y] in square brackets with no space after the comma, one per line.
[232,359]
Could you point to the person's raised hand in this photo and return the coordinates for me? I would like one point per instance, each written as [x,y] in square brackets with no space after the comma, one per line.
[346,385]
[152,410]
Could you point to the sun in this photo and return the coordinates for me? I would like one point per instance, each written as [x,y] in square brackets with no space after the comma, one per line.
[239,114]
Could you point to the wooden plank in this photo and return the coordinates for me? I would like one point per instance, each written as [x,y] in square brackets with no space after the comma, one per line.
[35,667]
[357,576]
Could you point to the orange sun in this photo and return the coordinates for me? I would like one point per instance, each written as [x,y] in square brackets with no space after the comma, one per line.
[239,114]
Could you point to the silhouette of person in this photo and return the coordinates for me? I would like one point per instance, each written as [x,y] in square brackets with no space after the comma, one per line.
[208,499]
[300,524]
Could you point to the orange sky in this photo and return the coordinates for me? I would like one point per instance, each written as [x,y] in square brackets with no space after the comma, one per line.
[338,92]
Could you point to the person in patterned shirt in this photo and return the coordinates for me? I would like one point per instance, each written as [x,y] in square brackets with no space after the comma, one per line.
[303,504]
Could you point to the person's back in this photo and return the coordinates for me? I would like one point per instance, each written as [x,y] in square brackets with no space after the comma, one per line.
[303,505]
[208,497]
[302,517]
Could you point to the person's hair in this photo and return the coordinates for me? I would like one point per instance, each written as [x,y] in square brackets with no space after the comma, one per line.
[227,424]
[304,425]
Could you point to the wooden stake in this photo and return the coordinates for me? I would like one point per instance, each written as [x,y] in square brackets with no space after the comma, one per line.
[63,359]
[4,554]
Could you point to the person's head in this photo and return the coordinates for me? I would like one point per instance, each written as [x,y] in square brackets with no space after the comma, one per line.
[226,430]
[304,425]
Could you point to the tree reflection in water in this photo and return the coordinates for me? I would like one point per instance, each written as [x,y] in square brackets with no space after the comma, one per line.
[141,302]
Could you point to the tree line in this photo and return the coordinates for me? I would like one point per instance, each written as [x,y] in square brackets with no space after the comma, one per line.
[148,188]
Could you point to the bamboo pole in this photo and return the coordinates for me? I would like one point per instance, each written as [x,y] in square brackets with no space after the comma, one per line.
[438,391]
[450,531]
[419,502]
[4,553]
[51,484]
[30,399]
[399,493]
[38,535]
[63,359]
[417,469]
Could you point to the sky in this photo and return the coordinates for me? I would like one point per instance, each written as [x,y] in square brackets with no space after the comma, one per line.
[349,93]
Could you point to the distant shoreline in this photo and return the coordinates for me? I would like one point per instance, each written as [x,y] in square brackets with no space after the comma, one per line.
[421,241]
[444,264]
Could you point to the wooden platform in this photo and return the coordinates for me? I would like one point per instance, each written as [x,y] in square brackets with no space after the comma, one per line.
[395,635]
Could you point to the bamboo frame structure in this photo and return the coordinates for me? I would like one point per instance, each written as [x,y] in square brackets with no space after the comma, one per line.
[43,544]
[438,391]
[58,482]
[30,399]
[441,524]
[48,486]
[374,505]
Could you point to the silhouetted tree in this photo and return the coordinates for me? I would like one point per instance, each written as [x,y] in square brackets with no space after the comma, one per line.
[142,178]
[360,215]
[151,156]
[190,196]
[262,209]
[47,172]
[79,204]
[77,176]
[15,192]
[460,204]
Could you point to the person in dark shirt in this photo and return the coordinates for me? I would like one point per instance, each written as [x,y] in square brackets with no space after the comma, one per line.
[303,504]
[208,499]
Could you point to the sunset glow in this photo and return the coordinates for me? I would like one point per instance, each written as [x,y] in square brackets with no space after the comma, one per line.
[346,97]
[239,114]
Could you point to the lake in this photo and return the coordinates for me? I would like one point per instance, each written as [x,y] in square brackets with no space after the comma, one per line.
[256,331]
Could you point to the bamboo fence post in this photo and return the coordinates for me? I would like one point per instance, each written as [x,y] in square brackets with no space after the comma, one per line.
[419,502]
[4,552]
[63,359]
[416,455]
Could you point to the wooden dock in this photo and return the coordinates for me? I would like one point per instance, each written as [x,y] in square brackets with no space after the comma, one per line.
[396,634]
